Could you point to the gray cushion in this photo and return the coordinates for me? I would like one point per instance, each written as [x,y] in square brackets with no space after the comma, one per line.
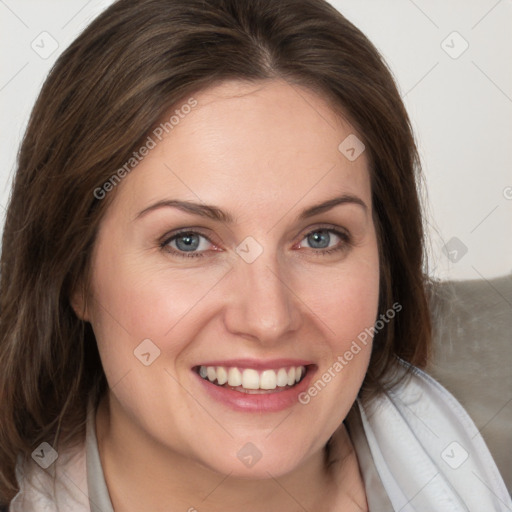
[473,357]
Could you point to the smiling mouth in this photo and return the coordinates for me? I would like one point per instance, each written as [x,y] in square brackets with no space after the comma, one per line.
[251,381]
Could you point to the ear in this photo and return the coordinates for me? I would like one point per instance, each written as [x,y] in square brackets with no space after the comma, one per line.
[78,302]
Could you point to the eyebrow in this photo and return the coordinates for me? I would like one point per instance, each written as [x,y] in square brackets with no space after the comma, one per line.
[214,213]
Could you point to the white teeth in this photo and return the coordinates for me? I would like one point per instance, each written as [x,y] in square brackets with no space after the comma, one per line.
[234,377]
[212,374]
[282,378]
[249,378]
[222,375]
[268,379]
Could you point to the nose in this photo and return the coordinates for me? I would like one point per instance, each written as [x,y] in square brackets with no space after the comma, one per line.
[262,303]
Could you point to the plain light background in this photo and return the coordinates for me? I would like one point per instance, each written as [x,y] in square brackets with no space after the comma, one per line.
[452,60]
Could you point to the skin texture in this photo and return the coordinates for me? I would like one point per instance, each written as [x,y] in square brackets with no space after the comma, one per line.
[263,153]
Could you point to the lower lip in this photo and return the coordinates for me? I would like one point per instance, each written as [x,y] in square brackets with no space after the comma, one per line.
[261,402]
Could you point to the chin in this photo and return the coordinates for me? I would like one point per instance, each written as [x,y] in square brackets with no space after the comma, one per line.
[255,460]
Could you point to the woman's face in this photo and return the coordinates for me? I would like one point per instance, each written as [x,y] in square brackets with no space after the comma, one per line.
[242,247]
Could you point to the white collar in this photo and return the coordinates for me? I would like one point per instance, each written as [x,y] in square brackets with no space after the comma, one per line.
[417,434]
[428,452]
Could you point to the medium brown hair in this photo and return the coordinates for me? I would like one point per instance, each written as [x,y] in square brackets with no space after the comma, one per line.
[103,96]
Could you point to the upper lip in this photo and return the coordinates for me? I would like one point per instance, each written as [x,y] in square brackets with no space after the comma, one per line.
[257,364]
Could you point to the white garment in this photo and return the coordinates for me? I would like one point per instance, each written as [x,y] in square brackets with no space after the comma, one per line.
[428,452]
[425,453]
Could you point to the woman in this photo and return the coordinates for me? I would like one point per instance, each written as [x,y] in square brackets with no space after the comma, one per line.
[212,289]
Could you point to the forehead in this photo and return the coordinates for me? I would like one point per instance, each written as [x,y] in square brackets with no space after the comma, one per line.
[250,144]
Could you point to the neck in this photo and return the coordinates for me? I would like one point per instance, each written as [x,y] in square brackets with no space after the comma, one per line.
[149,476]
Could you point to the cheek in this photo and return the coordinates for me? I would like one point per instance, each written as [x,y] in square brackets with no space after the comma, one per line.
[346,298]
[348,309]
[353,304]
[346,302]
[133,301]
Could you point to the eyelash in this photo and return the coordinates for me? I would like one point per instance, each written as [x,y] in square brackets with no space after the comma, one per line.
[345,242]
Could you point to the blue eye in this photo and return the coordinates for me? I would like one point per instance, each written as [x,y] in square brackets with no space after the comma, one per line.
[187,242]
[324,239]
[319,239]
